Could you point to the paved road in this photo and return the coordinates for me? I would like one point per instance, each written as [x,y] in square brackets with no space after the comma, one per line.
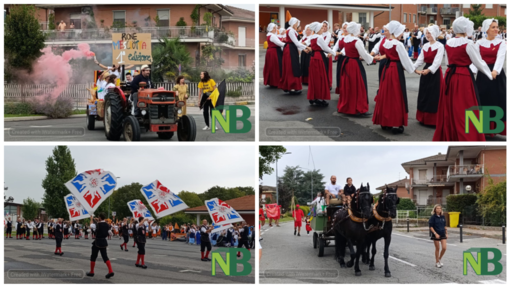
[411,260]
[168,262]
[280,111]
[78,125]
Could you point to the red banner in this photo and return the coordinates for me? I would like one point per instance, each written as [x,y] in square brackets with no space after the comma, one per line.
[273,210]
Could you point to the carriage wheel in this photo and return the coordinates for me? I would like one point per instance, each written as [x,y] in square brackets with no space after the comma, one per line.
[315,240]
[322,244]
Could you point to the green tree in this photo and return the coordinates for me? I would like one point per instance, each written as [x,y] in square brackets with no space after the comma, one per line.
[167,55]
[475,10]
[211,58]
[30,208]
[60,168]
[194,14]
[222,193]
[51,22]
[190,198]
[492,204]
[208,18]
[181,22]
[23,38]
[267,156]
[119,199]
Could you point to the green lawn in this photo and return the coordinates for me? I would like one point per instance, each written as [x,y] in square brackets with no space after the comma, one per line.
[75,112]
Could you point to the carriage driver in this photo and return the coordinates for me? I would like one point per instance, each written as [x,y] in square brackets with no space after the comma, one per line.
[332,189]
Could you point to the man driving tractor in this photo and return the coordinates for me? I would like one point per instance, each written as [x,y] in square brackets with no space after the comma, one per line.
[144,76]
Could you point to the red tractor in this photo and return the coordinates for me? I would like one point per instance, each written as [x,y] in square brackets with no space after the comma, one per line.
[161,112]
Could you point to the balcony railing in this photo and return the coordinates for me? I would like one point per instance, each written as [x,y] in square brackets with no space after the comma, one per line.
[422,9]
[432,10]
[465,170]
[449,11]
[99,34]
[229,40]
[433,180]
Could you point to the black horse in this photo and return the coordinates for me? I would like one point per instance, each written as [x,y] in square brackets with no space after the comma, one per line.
[384,211]
[350,227]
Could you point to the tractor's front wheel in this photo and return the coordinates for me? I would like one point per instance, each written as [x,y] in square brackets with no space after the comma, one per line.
[187,129]
[131,129]
[113,117]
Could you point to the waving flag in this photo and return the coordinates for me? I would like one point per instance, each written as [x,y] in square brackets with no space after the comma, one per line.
[138,209]
[75,208]
[218,228]
[221,212]
[272,211]
[92,187]
[162,200]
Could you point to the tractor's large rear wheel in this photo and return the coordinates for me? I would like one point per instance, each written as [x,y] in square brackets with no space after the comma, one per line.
[187,129]
[113,117]
[131,129]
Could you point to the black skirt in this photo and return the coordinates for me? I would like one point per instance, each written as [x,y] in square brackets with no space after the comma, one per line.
[339,63]
[429,91]
[492,92]
[305,63]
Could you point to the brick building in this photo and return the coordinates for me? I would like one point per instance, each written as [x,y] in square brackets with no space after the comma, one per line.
[233,28]
[267,194]
[463,169]
[403,190]
[245,206]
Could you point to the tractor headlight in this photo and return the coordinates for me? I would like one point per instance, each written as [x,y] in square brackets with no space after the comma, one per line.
[141,105]
[181,104]
[144,112]
[179,111]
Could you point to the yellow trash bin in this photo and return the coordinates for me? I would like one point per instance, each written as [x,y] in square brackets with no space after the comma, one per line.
[454,218]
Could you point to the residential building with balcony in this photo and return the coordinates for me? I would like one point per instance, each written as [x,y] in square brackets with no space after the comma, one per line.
[463,169]
[231,28]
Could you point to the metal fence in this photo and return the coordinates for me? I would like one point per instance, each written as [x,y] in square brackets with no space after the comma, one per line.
[418,217]
[80,94]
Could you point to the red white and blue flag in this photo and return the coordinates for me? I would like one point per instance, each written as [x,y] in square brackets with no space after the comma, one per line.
[138,209]
[222,213]
[92,187]
[75,208]
[162,201]
[218,228]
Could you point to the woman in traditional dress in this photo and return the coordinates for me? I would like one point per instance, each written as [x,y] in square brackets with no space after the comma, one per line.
[353,87]
[290,80]
[391,107]
[327,39]
[493,50]
[305,57]
[431,78]
[338,50]
[379,50]
[459,91]
[318,85]
[273,63]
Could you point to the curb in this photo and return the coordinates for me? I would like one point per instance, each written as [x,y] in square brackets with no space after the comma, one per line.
[464,232]
[34,118]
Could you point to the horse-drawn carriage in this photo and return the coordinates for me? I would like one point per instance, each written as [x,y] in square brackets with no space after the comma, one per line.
[322,223]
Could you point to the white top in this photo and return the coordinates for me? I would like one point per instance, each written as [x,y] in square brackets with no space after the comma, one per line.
[260,246]
[473,53]
[116,72]
[101,89]
[500,59]
[327,37]
[375,50]
[336,46]
[275,40]
[110,85]
[92,226]
[321,43]
[437,60]
[203,229]
[374,37]
[333,188]
[293,37]
[402,54]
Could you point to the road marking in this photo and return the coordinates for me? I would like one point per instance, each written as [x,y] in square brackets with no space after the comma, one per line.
[194,271]
[405,262]
[40,126]
[7,129]
[495,281]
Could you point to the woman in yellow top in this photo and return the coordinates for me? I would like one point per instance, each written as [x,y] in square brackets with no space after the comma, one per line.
[182,91]
[206,87]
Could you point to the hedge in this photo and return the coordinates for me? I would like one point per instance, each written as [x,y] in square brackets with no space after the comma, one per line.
[457,202]
[406,204]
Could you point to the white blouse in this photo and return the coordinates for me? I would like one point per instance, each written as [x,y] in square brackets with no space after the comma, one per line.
[402,54]
[321,43]
[275,40]
[360,47]
[374,37]
[500,58]
[473,53]
[375,50]
[437,60]
[293,37]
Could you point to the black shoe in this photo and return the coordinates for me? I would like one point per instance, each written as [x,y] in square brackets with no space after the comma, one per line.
[311,102]
[126,250]
[324,103]
[121,247]
[90,274]
[398,130]
[143,266]
[137,265]
[203,259]
[386,128]
[207,259]
[295,232]
[109,275]
[61,253]
[57,253]
[286,91]
[298,234]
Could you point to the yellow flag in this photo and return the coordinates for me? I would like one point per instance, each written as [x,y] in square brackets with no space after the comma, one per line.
[214,97]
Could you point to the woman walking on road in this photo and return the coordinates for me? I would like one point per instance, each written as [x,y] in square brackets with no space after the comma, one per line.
[438,232]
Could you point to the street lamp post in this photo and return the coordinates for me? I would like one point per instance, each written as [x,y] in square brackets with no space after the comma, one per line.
[277,178]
